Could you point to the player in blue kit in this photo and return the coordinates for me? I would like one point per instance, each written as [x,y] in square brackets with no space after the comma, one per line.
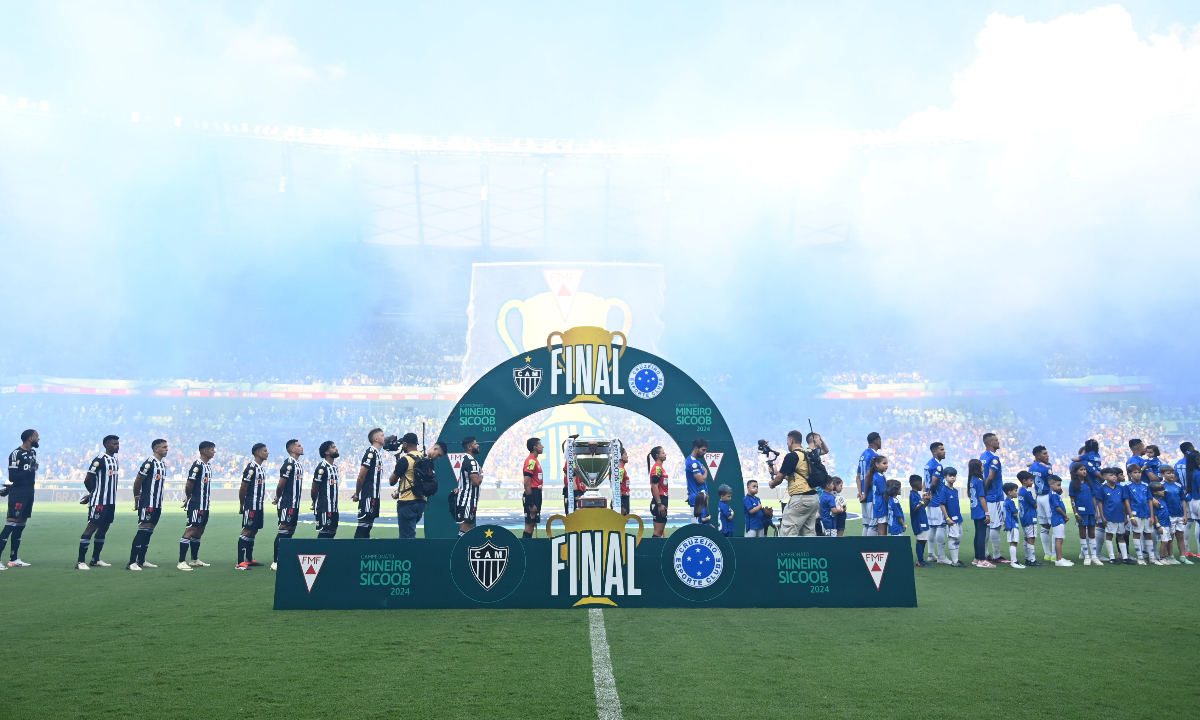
[1162,524]
[1058,521]
[935,485]
[1111,509]
[1027,506]
[1173,496]
[918,500]
[1083,503]
[1137,508]
[1190,478]
[1182,478]
[954,520]
[979,511]
[1040,469]
[993,485]
[1012,524]
[695,471]
[865,481]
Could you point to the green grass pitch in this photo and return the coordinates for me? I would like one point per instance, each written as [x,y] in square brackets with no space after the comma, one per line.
[1087,642]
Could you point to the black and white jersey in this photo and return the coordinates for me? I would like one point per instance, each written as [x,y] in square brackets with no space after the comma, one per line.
[468,494]
[22,468]
[373,462]
[292,475]
[106,469]
[256,493]
[198,476]
[152,472]
[325,477]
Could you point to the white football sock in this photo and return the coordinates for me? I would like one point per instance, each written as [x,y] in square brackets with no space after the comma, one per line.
[1047,541]
[1012,554]
[1124,550]
[953,545]
[1108,544]
[994,537]
[1030,551]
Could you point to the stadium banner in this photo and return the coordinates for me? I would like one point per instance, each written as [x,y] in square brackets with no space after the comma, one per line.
[572,370]
[595,563]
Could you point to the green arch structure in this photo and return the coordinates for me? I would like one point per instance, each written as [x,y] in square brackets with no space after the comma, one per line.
[495,403]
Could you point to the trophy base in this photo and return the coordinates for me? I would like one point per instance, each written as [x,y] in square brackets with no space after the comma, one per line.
[593,501]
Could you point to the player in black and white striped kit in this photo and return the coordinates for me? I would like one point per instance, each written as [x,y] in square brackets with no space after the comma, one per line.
[101,483]
[288,495]
[253,496]
[366,489]
[147,502]
[198,495]
[325,491]
[466,500]
[19,489]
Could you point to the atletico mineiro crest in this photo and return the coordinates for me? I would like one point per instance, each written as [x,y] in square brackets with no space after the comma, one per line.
[528,379]
[488,563]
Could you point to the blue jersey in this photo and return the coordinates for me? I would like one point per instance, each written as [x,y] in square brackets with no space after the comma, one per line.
[1137,460]
[1112,499]
[1028,507]
[934,482]
[753,521]
[1138,495]
[1092,460]
[691,468]
[1153,465]
[1181,477]
[879,483]
[1173,499]
[726,513]
[895,517]
[975,492]
[1012,520]
[828,503]
[991,461]
[916,508]
[1085,503]
[950,496]
[1162,513]
[1041,478]
[864,470]
[1056,504]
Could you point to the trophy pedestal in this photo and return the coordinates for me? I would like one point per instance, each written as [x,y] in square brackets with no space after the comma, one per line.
[592,499]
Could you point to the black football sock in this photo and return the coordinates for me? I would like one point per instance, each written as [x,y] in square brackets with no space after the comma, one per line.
[241,549]
[250,549]
[184,544]
[84,541]
[136,548]
[98,545]
[362,531]
[145,545]
[195,548]
[16,541]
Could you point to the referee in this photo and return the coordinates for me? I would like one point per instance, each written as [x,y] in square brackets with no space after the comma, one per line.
[466,500]
[22,469]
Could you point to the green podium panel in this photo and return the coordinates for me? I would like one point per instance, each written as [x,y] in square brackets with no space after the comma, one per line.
[489,567]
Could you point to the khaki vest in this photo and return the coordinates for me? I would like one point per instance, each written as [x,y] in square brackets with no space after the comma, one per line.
[405,482]
[798,481]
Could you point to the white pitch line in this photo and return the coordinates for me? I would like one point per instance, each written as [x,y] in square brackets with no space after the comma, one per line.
[608,704]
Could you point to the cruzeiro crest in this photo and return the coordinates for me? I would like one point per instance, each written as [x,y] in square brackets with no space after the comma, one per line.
[488,563]
[528,379]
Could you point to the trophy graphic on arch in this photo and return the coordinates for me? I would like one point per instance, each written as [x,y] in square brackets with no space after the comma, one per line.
[593,460]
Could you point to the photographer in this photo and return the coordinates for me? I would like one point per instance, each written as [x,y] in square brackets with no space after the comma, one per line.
[800,515]
[410,507]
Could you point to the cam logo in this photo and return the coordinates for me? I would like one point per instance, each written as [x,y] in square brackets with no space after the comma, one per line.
[488,563]
[698,562]
[310,567]
[586,364]
[597,556]
[876,562]
[528,379]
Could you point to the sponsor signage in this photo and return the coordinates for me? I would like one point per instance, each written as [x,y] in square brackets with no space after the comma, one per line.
[594,562]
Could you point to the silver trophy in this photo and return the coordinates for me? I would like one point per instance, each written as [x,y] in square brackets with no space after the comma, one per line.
[594,460]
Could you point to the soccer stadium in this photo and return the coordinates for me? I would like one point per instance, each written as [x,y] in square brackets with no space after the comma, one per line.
[599,361]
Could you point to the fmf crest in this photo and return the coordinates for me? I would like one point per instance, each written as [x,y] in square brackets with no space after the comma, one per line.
[528,379]
[488,563]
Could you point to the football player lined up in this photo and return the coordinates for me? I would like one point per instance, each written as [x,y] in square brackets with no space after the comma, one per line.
[288,495]
[252,497]
[147,502]
[101,484]
[22,471]
[198,494]
[366,488]
[325,491]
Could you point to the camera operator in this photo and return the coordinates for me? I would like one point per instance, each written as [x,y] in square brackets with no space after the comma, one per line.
[800,514]
[409,506]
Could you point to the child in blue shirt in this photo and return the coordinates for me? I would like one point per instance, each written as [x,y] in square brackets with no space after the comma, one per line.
[953,515]
[1027,506]
[1111,509]
[918,500]
[879,483]
[1137,507]
[1162,524]
[1175,498]
[1058,521]
[833,509]
[895,514]
[979,513]
[1012,523]
[1083,502]
[754,511]
[725,493]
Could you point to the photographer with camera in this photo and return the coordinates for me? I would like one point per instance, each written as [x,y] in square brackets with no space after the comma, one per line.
[800,514]
[417,481]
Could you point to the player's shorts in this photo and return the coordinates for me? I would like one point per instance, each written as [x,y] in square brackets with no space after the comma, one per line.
[1015,535]
[839,521]
[1194,510]
[464,514]
[1141,525]
[20,507]
[252,519]
[868,514]
[624,504]
[935,516]
[996,512]
[1115,528]
[288,516]
[102,514]
[659,511]
[1058,532]
[1043,504]
[954,531]
[149,515]
[531,501]
[1029,531]
[197,518]
[1164,533]
[1178,524]
[755,532]
[1087,520]
[368,510]
[922,536]
[327,522]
